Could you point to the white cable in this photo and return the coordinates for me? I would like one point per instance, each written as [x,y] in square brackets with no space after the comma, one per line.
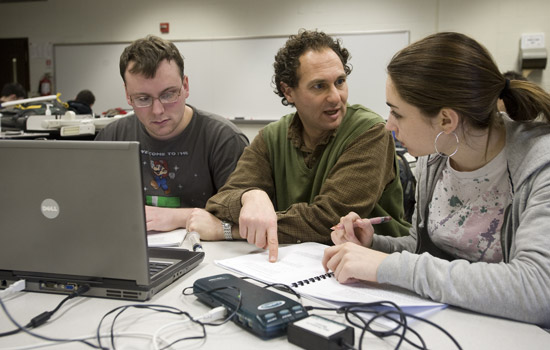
[13,288]
[87,337]
[212,315]
[155,339]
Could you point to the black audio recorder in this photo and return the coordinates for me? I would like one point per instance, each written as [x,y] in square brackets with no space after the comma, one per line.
[262,311]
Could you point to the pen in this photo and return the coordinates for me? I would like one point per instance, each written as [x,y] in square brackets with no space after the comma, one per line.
[373,221]
[194,238]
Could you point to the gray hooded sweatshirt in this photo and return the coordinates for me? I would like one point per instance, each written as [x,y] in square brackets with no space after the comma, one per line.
[518,287]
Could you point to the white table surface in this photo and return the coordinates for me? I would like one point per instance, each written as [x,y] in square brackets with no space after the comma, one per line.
[81,316]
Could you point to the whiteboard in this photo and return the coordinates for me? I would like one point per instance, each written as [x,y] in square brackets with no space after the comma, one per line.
[230,77]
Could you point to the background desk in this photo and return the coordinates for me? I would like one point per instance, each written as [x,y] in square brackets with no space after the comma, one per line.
[19,135]
[80,316]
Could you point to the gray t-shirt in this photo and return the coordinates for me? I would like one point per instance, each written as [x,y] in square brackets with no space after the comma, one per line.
[185,171]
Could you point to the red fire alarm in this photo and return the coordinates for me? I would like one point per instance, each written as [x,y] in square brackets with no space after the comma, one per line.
[165,28]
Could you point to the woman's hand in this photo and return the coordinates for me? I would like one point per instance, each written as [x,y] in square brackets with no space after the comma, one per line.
[353,229]
[351,262]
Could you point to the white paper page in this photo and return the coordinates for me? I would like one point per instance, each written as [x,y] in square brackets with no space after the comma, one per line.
[166,239]
[293,265]
[332,290]
[303,261]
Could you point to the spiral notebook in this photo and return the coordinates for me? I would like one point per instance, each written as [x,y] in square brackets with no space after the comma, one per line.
[299,266]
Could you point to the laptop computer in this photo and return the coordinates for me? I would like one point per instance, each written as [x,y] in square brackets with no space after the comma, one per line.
[72,213]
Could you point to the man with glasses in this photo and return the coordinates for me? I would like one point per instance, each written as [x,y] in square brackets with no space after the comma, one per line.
[187,154]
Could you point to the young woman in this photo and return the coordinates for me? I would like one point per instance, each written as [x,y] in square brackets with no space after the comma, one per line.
[481,229]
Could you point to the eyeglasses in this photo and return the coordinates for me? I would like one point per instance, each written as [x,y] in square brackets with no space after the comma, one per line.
[142,101]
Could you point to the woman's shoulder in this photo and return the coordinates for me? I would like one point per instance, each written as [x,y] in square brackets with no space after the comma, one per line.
[527,147]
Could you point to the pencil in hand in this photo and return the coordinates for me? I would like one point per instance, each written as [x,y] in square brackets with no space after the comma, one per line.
[373,221]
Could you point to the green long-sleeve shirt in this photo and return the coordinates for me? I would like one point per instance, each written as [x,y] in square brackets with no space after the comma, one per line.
[352,169]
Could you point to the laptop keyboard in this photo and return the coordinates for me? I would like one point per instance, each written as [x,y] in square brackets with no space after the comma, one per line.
[156,267]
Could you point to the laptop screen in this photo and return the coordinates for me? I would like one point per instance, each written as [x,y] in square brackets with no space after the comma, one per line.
[73,208]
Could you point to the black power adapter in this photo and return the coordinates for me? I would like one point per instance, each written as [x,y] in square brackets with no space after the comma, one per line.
[319,333]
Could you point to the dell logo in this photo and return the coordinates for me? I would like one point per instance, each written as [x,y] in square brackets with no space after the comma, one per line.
[49,208]
[271,305]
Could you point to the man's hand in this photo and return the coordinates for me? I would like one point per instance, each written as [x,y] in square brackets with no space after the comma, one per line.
[165,219]
[258,222]
[207,225]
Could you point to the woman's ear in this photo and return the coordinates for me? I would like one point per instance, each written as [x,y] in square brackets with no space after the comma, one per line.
[448,120]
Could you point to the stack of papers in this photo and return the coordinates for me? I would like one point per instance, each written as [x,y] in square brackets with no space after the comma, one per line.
[166,239]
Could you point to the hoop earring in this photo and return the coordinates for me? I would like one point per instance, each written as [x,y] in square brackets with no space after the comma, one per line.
[441,153]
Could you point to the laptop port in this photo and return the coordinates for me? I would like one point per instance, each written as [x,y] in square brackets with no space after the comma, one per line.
[49,286]
[71,286]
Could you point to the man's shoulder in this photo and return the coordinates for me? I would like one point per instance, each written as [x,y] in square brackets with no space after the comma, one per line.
[278,130]
[358,120]
[122,120]
[282,123]
[362,114]
[120,129]
[212,120]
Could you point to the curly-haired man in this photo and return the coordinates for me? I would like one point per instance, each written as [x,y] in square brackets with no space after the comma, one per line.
[305,171]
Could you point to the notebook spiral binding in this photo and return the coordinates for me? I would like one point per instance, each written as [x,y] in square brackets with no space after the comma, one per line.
[312,280]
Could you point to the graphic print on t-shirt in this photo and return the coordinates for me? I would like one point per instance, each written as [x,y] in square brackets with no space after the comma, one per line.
[163,178]
[161,175]
[467,211]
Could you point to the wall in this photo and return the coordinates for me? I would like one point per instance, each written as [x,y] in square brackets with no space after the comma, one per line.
[215,67]
[498,24]
[100,21]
